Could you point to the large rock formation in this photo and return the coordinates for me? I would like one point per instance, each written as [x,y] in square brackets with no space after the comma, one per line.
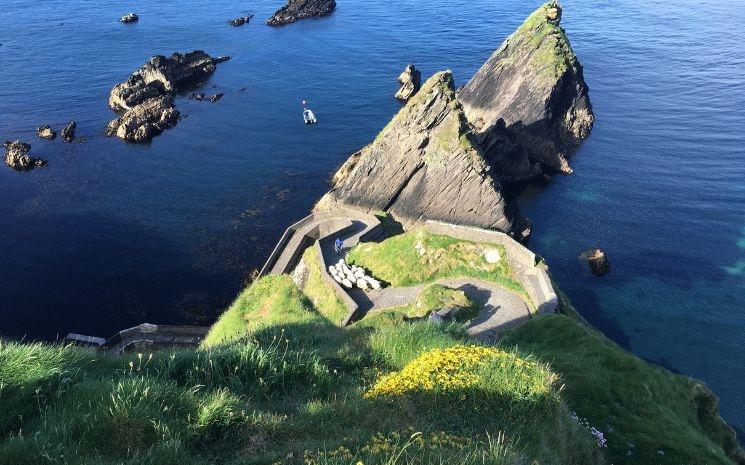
[146,120]
[409,80]
[301,9]
[423,165]
[17,157]
[529,103]
[146,98]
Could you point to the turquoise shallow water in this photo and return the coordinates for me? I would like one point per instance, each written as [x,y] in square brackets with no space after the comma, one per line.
[110,235]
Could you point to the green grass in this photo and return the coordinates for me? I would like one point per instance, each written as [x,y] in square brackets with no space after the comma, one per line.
[277,382]
[419,256]
[320,292]
[270,301]
[553,54]
[433,297]
[642,408]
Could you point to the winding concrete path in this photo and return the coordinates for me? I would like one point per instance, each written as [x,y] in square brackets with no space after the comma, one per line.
[500,309]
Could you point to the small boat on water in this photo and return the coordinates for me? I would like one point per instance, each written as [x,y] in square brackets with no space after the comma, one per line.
[308,116]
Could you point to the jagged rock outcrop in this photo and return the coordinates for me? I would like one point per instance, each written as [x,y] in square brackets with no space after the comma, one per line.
[145,121]
[301,9]
[45,132]
[68,132]
[423,165]
[410,80]
[146,98]
[529,103]
[597,260]
[240,21]
[17,157]
[129,18]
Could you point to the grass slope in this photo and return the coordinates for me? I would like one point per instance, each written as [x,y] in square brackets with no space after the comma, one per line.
[277,382]
[320,292]
[650,416]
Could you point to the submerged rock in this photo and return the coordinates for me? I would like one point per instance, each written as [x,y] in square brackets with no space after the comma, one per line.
[129,18]
[410,80]
[240,21]
[68,132]
[423,166]
[301,9]
[529,102]
[146,120]
[216,97]
[45,132]
[146,98]
[17,157]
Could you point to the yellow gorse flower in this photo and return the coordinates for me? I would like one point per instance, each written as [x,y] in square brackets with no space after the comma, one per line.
[439,369]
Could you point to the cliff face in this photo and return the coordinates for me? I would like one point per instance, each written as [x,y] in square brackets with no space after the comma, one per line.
[529,103]
[423,165]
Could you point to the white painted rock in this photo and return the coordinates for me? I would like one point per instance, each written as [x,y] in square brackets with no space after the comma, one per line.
[331,269]
[374,283]
[346,283]
[337,278]
[359,273]
[491,255]
[341,262]
[362,284]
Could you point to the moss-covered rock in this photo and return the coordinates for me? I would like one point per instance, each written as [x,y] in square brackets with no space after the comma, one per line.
[529,103]
[424,165]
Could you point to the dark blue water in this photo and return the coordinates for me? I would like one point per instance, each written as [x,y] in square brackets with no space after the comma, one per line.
[110,235]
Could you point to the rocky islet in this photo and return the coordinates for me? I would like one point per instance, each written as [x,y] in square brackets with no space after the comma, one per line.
[145,99]
[17,157]
[301,9]
[529,104]
[46,132]
[410,80]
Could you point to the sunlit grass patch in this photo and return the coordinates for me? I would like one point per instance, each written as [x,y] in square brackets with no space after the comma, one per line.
[320,292]
[270,301]
[419,256]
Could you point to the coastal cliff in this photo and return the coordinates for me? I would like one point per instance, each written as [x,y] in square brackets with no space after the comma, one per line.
[424,165]
[529,103]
